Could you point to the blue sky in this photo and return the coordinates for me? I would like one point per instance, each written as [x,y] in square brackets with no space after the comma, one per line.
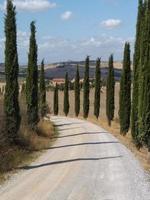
[72,29]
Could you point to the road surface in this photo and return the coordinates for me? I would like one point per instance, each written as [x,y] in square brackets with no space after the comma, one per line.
[85,163]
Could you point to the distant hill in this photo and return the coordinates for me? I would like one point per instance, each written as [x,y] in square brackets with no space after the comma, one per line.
[60,71]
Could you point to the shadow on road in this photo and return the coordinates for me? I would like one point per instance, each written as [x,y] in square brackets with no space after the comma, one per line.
[65,129]
[78,134]
[68,161]
[80,144]
[67,124]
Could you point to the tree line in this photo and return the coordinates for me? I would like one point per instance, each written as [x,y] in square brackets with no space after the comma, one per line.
[125,92]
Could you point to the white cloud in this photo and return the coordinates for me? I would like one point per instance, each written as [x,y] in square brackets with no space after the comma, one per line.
[58,49]
[66,15]
[31,5]
[111,23]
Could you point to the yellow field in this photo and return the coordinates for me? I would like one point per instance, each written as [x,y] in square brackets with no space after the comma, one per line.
[71,99]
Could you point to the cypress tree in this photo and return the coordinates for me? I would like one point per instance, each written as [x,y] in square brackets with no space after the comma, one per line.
[142,74]
[11,104]
[125,92]
[32,80]
[23,89]
[86,87]
[97,88]
[144,94]
[43,105]
[55,103]
[137,70]
[66,95]
[110,107]
[77,93]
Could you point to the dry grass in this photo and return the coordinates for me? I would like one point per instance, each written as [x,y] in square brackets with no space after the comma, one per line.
[45,129]
[39,139]
[30,142]
[142,155]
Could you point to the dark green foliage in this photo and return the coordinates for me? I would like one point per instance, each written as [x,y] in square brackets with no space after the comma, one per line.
[86,88]
[11,104]
[77,93]
[32,81]
[66,95]
[42,87]
[56,100]
[137,75]
[144,94]
[125,92]
[141,84]
[110,107]
[97,88]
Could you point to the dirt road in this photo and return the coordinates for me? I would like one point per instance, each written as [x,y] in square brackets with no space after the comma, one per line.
[85,163]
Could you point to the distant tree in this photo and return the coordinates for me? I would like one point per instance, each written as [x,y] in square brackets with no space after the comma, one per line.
[43,104]
[110,107]
[97,88]
[137,74]
[125,92]
[55,103]
[66,95]
[32,80]
[11,104]
[23,89]
[86,88]
[77,93]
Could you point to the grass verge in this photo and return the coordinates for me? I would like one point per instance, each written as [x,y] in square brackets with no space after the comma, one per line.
[31,145]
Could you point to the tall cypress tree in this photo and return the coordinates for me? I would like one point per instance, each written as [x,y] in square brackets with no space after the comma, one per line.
[142,74]
[56,100]
[66,95]
[86,87]
[32,80]
[77,93]
[125,92]
[144,94]
[97,88]
[137,70]
[11,104]
[110,106]
[43,105]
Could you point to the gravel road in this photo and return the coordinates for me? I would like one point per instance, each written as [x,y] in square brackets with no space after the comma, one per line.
[85,163]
